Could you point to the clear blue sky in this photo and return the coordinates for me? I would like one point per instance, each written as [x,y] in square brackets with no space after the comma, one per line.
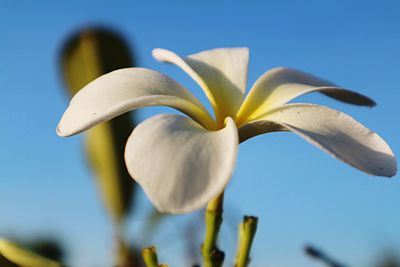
[300,194]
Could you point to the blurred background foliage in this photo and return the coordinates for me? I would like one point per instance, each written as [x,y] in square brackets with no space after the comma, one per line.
[87,55]
[13,254]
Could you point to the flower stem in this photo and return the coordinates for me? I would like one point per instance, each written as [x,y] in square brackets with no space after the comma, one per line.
[247,230]
[150,257]
[212,256]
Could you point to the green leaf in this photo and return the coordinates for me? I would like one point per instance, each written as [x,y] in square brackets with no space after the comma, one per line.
[12,255]
[86,56]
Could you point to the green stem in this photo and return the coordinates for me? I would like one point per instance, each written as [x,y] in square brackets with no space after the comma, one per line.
[212,256]
[150,257]
[247,230]
[124,256]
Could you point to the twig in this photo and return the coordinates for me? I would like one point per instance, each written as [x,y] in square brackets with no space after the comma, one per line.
[319,255]
[247,231]
[212,256]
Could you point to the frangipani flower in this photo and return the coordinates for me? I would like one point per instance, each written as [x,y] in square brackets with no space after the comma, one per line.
[183,162]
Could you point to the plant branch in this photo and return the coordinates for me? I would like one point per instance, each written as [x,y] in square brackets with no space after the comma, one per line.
[247,231]
[150,257]
[212,256]
[319,255]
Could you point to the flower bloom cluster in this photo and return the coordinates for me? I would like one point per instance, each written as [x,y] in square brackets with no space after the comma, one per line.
[183,162]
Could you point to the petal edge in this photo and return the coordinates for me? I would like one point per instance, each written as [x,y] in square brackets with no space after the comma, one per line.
[339,135]
[280,85]
[221,73]
[123,90]
[180,165]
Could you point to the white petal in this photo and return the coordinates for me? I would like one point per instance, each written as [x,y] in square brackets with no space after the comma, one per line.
[180,165]
[280,85]
[254,128]
[122,90]
[222,74]
[339,135]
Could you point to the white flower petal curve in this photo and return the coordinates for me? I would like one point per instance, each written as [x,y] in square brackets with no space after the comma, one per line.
[254,128]
[123,90]
[222,74]
[180,165]
[280,85]
[339,135]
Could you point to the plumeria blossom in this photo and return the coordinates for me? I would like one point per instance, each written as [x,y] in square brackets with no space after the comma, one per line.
[183,162]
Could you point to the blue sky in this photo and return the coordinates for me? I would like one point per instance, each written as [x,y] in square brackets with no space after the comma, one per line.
[300,194]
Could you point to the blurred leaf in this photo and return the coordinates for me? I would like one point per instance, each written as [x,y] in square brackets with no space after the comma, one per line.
[13,255]
[389,263]
[6,263]
[47,247]
[388,259]
[86,56]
